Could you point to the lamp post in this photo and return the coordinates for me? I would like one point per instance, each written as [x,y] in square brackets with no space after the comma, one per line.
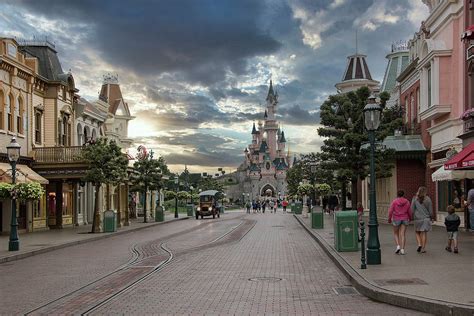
[13,151]
[176,182]
[372,116]
[305,199]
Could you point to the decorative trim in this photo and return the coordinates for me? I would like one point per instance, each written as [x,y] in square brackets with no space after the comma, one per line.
[435,111]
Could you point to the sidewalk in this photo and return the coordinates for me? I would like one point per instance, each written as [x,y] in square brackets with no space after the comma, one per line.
[44,241]
[436,282]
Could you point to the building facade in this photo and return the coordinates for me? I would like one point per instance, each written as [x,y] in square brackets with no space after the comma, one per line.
[357,75]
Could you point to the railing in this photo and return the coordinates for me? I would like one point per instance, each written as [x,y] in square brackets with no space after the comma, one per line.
[58,154]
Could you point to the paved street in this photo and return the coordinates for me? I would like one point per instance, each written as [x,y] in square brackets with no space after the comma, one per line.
[240,264]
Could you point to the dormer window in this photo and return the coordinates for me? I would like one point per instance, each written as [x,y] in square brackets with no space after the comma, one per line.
[11,50]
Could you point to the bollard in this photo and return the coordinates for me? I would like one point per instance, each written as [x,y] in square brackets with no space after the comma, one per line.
[363,264]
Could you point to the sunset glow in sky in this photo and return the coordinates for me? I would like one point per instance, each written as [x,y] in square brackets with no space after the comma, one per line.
[196,73]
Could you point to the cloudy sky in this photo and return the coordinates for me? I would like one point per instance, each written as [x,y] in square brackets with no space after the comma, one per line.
[195,72]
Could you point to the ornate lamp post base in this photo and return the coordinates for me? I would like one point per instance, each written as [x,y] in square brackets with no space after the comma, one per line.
[14,245]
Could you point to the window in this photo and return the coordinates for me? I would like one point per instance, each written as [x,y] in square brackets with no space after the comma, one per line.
[9,113]
[64,131]
[2,105]
[429,86]
[38,126]
[19,115]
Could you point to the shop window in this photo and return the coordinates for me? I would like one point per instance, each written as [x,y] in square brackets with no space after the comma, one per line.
[445,189]
[67,199]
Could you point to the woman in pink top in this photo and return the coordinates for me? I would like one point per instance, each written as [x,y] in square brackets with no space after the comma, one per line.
[400,215]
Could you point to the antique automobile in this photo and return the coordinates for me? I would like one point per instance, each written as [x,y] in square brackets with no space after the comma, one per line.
[208,204]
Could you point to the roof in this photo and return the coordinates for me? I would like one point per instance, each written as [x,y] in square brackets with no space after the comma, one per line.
[49,66]
[357,68]
[397,62]
[405,143]
[282,165]
[282,137]
[266,114]
[91,108]
[254,167]
[254,130]
[209,192]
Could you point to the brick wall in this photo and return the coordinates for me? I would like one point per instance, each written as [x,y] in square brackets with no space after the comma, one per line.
[410,176]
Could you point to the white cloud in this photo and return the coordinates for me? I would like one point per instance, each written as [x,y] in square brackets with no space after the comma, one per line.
[312,24]
[378,14]
[418,12]
[336,3]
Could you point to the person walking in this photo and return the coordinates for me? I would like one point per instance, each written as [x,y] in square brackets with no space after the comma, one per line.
[254,206]
[399,214]
[452,222]
[264,206]
[470,208]
[270,204]
[422,210]
[284,204]
[275,207]
[247,206]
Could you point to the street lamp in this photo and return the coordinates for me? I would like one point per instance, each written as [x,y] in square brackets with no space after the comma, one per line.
[176,182]
[13,152]
[372,116]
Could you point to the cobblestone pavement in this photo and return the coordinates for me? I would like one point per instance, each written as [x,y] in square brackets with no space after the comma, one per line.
[215,267]
[275,269]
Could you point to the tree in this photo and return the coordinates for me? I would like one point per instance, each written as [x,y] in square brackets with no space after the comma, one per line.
[210,184]
[147,174]
[106,165]
[344,132]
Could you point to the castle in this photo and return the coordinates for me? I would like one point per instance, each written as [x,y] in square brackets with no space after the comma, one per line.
[263,172]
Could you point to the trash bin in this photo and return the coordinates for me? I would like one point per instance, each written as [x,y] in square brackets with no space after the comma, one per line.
[297,208]
[159,214]
[190,210]
[317,218]
[110,221]
[346,231]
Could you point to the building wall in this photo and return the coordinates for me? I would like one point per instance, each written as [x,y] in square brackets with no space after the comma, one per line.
[410,176]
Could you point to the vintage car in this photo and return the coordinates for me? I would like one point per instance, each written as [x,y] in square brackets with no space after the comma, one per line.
[208,204]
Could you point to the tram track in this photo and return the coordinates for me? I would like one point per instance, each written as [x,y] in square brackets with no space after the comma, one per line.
[147,259]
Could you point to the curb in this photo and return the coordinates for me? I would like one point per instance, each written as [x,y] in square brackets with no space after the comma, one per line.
[78,242]
[366,288]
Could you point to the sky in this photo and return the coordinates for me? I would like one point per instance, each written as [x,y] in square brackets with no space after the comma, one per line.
[195,73]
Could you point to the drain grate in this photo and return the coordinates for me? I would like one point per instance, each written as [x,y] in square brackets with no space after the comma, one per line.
[265,279]
[412,281]
[345,290]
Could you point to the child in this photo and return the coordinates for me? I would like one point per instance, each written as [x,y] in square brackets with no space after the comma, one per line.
[452,223]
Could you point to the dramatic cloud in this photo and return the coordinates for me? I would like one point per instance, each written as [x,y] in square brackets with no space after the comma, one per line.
[196,73]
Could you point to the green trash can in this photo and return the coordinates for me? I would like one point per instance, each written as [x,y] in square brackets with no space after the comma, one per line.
[110,221]
[190,210]
[159,214]
[346,231]
[297,208]
[317,218]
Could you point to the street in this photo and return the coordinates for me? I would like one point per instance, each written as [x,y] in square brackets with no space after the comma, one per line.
[238,264]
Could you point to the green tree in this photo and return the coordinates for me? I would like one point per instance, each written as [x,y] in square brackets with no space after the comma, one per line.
[106,165]
[344,132]
[210,184]
[148,175]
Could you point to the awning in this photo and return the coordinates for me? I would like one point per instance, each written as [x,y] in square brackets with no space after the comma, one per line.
[464,159]
[468,34]
[24,174]
[448,175]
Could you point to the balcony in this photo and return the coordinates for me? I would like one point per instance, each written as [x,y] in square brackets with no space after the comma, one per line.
[435,111]
[56,155]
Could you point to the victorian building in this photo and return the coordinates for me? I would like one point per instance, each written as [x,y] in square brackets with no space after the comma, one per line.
[357,75]
[21,116]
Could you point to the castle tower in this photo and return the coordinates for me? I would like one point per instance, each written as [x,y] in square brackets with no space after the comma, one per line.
[398,60]
[271,126]
[357,75]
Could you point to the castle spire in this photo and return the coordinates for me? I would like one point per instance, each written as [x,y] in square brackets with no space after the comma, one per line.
[282,138]
[254,130]
[271,93]
[265,115]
